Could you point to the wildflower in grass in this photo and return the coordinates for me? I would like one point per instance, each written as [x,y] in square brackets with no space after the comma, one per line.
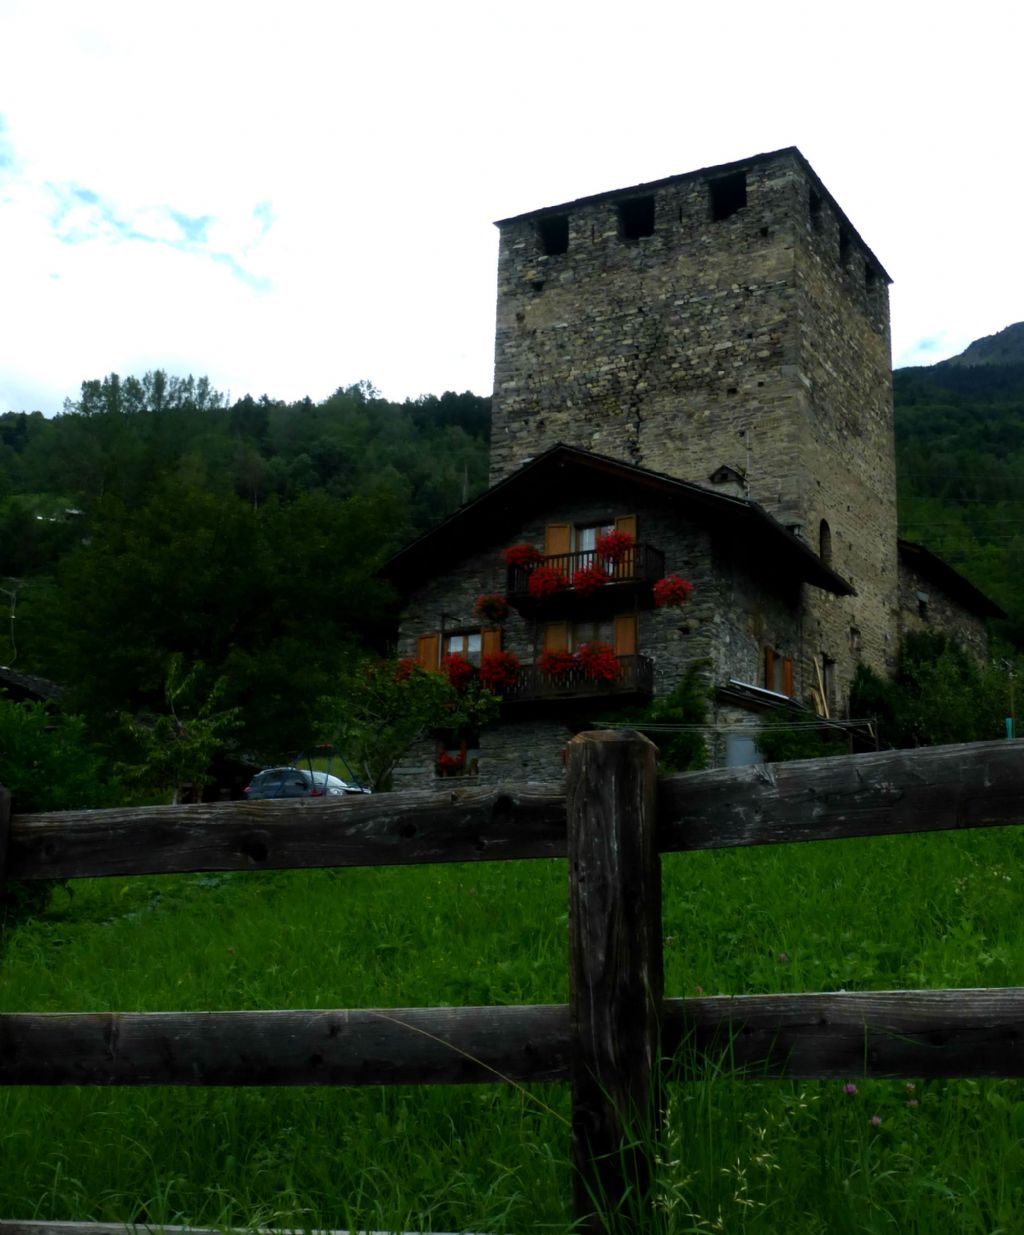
[783,958]
[876,1121]
[850,1088]
[910,1086]
[913,1102]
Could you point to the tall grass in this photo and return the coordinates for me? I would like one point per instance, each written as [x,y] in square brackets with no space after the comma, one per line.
[739,1155]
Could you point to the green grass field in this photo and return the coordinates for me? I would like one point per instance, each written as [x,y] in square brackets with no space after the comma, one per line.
[739,1156]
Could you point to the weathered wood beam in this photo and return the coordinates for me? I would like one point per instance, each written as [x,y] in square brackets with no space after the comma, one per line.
[461,824]
[972,785]
[943,1033]
[615,977]
[979,784]
[388,1046]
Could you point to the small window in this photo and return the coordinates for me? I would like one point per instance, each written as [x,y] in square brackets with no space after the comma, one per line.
[814,208]
[845,246]
[601,631]
[636,218]
[825,542]
[586,537]
[463,643]
[553,231]
[870,276]
[728,195]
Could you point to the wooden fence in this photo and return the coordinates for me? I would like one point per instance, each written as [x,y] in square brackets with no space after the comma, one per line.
[618,1038]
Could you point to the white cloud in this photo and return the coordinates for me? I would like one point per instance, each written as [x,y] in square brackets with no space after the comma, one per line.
[293,198]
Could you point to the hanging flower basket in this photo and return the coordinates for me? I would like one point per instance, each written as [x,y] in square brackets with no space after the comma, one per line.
[556,664]
[499,670]
[589,579]
[598,661]
[613,546]
[546,581]
[458,669]
[672,592]
[523,555]
[491,607]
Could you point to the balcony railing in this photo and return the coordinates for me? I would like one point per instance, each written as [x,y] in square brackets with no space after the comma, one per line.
[636,677]
[641,564]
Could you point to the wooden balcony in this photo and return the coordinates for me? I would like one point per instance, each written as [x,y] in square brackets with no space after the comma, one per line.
[636,677]
[630,578]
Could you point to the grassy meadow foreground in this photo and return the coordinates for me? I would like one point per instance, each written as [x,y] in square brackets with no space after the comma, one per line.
[740,1156]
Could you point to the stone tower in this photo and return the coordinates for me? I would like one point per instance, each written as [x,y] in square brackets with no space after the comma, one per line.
[725,326]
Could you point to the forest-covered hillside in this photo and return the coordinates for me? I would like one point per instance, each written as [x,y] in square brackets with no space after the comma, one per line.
[154,520]
[151,519]
[960,462]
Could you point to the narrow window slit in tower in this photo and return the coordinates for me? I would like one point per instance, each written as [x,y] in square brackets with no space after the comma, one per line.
[814,208]
[636,218]
[553,231]
[844,246]
[728,195]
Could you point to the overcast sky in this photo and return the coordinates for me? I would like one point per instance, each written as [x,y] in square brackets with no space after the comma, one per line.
[291,197]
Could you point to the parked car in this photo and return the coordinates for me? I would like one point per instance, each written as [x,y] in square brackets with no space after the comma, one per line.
[292,782]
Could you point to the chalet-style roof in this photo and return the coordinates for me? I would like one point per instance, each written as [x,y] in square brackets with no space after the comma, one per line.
[720,169]
[933,568]
[498,513]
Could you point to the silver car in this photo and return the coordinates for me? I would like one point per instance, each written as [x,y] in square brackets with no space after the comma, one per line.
[291,782]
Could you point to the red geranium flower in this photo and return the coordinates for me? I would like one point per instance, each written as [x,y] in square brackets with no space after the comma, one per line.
[404,668]
[546,581]
[672,592]
[588,579]
[523,555]
[613,545]
[499,669]
[556,663]
[598,661]
[459,670]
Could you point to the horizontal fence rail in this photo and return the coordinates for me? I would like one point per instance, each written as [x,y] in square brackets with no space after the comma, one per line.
[927,1034]
[617,1039]
[879,793]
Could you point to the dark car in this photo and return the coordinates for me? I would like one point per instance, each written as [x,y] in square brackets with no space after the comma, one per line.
[292,782]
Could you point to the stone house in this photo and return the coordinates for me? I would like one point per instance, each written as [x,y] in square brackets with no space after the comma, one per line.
[702,362]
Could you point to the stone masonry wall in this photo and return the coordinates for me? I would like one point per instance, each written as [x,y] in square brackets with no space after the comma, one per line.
[736,611]
[939,613]
[759,340]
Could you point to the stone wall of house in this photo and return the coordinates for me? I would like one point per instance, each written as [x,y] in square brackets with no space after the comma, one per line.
[759,340]
[925,606]
[737,609]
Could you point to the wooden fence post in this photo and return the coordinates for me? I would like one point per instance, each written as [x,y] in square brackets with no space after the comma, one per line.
[615,976]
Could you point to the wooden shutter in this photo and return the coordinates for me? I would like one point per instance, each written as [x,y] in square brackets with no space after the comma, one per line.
[626,568]
[556,636]
[490,640]
[769,668]
[787,676]
[626,523]
[625,634]
[428,650]
[556,539]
